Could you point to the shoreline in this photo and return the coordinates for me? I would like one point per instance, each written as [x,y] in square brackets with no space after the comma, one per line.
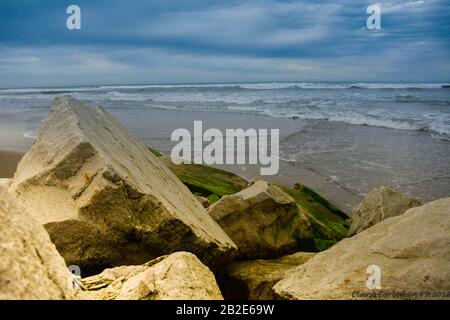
[342,162]
[288,175]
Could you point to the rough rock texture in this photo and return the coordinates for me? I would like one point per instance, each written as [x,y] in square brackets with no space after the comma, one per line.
[254,279]
[179,276]
[328,223]
[381,203]
[412,251]
[263,221]
[5,182]
[86,166]
[30,266]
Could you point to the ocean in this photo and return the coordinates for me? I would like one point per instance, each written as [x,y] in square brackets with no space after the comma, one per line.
[357,135]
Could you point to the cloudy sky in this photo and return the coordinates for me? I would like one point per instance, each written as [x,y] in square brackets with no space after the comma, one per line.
[197,41]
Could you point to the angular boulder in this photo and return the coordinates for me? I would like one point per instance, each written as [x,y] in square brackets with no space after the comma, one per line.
[85,166]
[179,276]
[263,221]
[30,266]
[381,203]
[254,279]
[412,252]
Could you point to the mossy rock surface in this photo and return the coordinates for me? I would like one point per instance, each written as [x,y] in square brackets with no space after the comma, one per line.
[327,221]
[204,180]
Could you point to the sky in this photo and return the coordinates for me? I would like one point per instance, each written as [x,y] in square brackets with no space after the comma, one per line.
[199,41]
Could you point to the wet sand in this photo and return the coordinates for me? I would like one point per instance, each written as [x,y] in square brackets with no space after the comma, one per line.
[8,163]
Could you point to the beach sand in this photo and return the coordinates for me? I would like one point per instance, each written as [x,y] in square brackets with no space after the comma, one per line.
[8,163]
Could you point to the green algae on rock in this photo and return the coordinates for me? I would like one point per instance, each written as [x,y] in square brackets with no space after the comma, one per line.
[328,223]
[205,180]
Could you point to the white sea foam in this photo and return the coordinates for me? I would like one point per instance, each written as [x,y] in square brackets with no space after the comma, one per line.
[250,86]
[29,134]
[404,106]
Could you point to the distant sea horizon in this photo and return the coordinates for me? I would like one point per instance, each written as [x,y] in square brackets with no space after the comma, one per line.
[221,83]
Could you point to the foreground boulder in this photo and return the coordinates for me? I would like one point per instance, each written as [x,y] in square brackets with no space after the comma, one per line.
[411,250]
[381,203]
[91,182]
[179,276]
[30,266]
[254,279]
[263,221]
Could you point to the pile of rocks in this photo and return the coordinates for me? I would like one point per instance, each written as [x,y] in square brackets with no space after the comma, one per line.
[89,194]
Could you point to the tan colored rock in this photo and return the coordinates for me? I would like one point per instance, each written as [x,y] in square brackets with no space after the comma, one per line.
[411,250]
[381,203]
[263,221]
[254,279]
[253,180]
[5,182]
[204,201]
[179,276]
[86,166]
[30,266]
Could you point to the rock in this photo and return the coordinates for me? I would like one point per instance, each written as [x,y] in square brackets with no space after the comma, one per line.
[179,276]
[5,182]
[93,248]
[253,180]
[328,223]
[30,265]
[85,166]
[263,221]
[254,279]
[204,201]
[412,251]
[205,180]
[381,203]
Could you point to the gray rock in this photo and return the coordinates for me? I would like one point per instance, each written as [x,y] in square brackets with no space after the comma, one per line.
[381,203]
[86,166]
[30,266]
[263,221]
[412,252]
[179,276]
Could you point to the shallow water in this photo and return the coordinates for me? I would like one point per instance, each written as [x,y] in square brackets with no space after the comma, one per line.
[361,158]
